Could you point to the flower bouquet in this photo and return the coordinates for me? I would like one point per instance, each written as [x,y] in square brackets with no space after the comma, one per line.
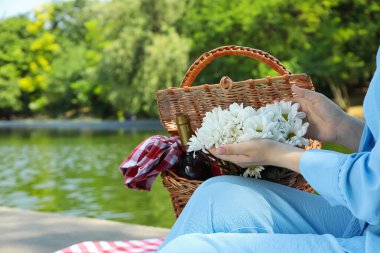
[279,121]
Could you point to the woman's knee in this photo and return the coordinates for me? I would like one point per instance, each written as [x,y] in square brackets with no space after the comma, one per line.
[218,184]
[226,188]
[234,204]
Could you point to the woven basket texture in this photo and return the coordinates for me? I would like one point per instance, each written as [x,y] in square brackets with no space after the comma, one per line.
[195,101]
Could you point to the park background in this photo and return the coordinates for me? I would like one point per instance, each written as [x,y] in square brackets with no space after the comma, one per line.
[104,61]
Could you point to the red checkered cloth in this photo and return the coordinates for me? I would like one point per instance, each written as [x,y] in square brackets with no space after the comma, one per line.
[148,159]
[133,246]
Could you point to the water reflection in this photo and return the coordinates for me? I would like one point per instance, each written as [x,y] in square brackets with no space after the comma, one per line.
[76,173]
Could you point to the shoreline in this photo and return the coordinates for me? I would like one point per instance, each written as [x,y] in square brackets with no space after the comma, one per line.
[96,125]
[39,232]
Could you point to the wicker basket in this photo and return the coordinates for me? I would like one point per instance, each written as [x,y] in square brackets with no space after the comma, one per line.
[196,101]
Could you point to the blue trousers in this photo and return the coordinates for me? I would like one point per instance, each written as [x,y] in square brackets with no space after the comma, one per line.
[236,214]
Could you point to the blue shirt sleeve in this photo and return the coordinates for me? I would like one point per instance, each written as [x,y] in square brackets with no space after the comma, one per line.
[349,180]
[352,180]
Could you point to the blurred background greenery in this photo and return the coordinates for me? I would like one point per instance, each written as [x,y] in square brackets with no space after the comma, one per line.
[107,59]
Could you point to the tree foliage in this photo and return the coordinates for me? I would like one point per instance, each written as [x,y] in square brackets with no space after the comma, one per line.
[108,58]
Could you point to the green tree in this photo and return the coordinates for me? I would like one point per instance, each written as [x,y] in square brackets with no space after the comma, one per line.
[332,40]
[73,85]
[341,53]
[108,58]
[27,48]
[12,64]
[41,51]
[146,55]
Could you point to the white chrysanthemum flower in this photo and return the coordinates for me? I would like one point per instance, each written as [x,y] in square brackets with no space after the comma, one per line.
[259,126]
[295,131]
[280,121]
[290,111]
[196,144]
[253,172]
[237,111]
[285,110]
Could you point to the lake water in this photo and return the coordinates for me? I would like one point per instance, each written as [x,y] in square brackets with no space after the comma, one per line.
[76,173]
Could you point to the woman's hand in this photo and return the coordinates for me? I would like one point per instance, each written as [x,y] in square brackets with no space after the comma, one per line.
[328,122]
[260,152]
[323,114]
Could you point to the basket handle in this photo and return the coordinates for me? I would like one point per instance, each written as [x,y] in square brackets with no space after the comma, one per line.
[209,56]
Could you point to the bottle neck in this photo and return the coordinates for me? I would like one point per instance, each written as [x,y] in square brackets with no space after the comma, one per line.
[184,129]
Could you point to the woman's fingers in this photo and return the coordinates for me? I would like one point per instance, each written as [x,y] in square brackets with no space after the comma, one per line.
[299,91]
[231,149]
[242,148]
[237,159]
[300,101]
[305,93]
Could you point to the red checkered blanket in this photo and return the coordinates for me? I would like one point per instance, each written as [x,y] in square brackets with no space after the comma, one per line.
[133,246]
[148,159]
